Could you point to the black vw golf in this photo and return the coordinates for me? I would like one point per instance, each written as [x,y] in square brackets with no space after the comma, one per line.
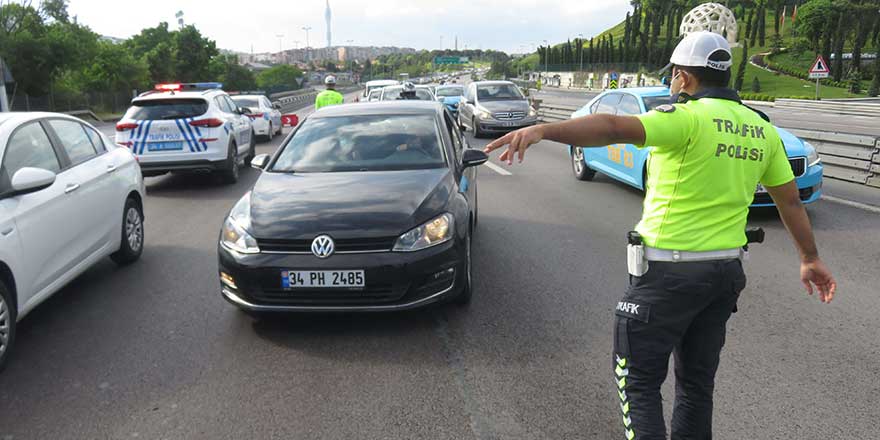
[365,207]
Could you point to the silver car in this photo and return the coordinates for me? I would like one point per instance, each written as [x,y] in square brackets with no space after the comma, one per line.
[495,107]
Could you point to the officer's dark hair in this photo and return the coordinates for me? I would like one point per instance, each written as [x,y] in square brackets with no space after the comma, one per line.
[709,77]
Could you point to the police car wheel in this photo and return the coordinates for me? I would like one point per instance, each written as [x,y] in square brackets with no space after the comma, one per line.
[464,297]
[7,324]
[132,245]
[579,167]
[230,174]
[271,132]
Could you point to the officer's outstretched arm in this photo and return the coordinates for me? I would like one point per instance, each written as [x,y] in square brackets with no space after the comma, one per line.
[587,131]
[794,216]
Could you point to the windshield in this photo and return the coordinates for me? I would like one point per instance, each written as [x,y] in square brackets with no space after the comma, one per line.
[499,92]
[450,91]
[158,109]
[651,102]
[363,143]
[246,102]
[394,93]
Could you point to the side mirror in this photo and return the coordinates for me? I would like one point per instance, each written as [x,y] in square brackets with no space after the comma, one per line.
[471,102]
[28,180]
[260,161]
[472,158]
[276,105]
[244,111]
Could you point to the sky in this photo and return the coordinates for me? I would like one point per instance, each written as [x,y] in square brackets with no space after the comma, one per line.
[513,26]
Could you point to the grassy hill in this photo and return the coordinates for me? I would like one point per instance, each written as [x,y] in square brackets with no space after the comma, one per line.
[772,84]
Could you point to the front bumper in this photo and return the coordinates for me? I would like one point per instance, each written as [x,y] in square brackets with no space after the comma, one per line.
[494,125]
[809,185]
[394,280]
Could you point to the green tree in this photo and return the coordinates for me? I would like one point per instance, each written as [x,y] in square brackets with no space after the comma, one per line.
[193,55]
[234,76]
[114,68]
[741,71]
[283,77]
[874,90]
[756,85]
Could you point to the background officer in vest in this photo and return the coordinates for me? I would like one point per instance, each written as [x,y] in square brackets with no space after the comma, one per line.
[710,152]
[329,96]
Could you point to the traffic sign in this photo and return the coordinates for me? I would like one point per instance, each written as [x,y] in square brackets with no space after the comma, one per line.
[451,60]
[819,69]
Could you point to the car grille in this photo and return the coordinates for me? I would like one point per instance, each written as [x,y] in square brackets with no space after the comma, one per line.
[798,166]
[764,198]
[373,293]
[509,116]
[344,245]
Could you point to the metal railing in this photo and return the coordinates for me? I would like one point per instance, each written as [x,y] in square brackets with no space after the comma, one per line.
[303,98]
[850,157]
[857,108]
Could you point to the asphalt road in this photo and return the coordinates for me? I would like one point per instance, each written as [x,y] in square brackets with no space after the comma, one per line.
[152,350]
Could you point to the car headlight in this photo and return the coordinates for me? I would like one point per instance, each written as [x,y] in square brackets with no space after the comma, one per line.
[532,112]
[433,232]
[234,235]
[483,114]
[812,154]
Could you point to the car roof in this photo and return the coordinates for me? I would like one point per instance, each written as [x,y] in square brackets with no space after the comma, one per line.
[493,83]
[405,106]
[644,91]
[200,94]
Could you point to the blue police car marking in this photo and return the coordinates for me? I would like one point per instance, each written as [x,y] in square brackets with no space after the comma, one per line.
[180,126]
[199,132]
[192,136]
[146,133]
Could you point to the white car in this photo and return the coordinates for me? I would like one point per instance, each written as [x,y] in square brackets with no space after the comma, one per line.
[188,127]
[68,198]
[265,116]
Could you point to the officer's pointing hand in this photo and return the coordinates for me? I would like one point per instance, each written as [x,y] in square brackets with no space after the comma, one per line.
[517,142]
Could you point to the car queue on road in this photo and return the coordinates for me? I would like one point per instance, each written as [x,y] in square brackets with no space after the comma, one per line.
[297,241]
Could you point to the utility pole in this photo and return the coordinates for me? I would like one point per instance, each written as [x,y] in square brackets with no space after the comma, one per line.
[307,29]
[280,38]
[581,49]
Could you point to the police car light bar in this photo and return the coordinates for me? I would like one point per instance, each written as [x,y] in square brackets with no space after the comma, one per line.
[176,87]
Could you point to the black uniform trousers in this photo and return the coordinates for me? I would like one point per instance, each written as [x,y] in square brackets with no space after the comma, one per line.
[679,308]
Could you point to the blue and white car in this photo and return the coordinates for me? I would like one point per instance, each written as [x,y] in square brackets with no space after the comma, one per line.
[187,127]
[265,116]
[450,96]
[628,164]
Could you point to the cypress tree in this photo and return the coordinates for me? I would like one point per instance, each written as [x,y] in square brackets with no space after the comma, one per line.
[840,39]
[592,57]
[753,36]
[611,48]
[762,25]
[626,28]
[751,17]
[741,70]
[874,90]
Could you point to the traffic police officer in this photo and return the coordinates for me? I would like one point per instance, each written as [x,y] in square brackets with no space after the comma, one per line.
[329,96]
[709,153]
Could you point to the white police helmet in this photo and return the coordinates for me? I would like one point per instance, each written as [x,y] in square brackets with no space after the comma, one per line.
[330,80]
[696,49]
[409,87]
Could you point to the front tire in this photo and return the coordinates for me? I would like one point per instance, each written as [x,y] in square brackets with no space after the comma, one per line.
[579,167]
[467,291]
[477,132]
[7,324]
[132,245]
[253,151]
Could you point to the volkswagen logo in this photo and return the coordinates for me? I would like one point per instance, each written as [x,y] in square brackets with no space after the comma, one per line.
[323,246]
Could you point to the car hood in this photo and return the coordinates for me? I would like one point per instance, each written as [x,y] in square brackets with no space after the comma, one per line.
[505,106]
[347,205]
[794,146]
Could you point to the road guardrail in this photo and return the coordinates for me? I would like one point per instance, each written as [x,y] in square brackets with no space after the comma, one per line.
[299,99]
[851,157]
[856,108]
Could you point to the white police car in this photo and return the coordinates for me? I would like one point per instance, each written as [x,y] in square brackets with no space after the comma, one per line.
[265,116]
[187,127]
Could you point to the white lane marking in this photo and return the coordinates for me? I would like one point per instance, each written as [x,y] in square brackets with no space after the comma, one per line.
[866,207]
[498,169]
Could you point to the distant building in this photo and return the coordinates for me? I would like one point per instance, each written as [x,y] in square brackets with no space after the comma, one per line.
[113,40]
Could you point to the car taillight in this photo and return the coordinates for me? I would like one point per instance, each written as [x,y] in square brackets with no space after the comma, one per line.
[212,122]
[122,126]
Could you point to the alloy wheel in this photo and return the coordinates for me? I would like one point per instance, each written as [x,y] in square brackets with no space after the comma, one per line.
[134,229]
[4,326]
[578,158]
